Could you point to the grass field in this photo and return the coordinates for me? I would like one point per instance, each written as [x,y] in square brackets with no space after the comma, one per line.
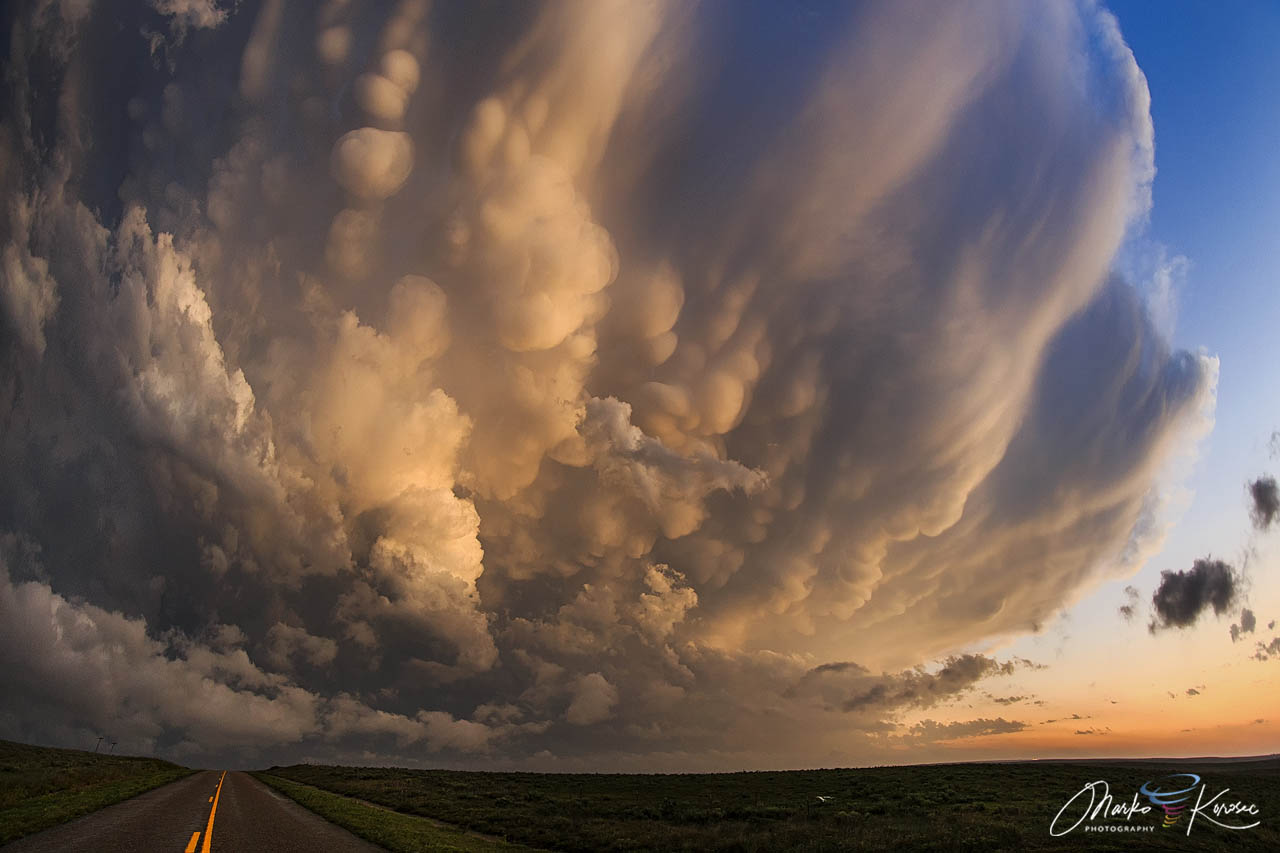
[977,807]
[42,787]
[400,833]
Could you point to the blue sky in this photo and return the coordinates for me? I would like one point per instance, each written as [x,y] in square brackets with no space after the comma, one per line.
[1215,102]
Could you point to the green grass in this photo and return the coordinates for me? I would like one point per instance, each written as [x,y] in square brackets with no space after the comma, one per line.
[976,807]
[42,787]
[397,832]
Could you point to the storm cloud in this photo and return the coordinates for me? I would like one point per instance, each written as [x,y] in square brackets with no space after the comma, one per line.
[566,384]
[1183,596]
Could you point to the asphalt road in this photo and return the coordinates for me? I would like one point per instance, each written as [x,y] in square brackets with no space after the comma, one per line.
[202,813]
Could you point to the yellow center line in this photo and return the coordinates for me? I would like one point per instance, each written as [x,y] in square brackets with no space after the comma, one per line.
[191,845]
[208,830]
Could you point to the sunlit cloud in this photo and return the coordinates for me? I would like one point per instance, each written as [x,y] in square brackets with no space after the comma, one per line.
[563,380]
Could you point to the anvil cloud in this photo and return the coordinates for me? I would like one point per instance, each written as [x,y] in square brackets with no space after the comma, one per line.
[580,384]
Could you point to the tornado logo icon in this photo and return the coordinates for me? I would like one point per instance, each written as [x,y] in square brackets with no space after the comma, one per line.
[1170,798]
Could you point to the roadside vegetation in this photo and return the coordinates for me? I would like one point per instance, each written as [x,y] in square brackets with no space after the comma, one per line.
[42,787]
[975,807]
[400,833]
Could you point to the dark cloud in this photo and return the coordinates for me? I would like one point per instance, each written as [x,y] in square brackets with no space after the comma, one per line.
[853,688]
[1182,596]
[1264,496]
[1008,700]
[1192,691]
[1246,624]
[1130,608]
[1266,651]
[445,381]
[839,666]
[931,730]
[919,689]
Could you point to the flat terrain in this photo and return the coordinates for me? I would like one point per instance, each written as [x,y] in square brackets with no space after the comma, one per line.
[42,787]
[1009,806]
[389,829]
[976,807]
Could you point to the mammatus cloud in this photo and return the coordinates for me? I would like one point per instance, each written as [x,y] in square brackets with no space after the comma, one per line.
[1264,496]
[420,380]
[197,14]
[1182,596]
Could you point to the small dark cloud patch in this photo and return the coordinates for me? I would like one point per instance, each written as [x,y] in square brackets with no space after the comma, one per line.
[1246,625]
[1266,651]
[1183,596]
[1264,496]
[1259,721]
[1271,626]
[1090,731]
[840,666]
[1007,700]
[1191,691]
[1130,607]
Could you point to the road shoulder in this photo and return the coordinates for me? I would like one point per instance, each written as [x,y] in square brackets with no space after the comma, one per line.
[46,811]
